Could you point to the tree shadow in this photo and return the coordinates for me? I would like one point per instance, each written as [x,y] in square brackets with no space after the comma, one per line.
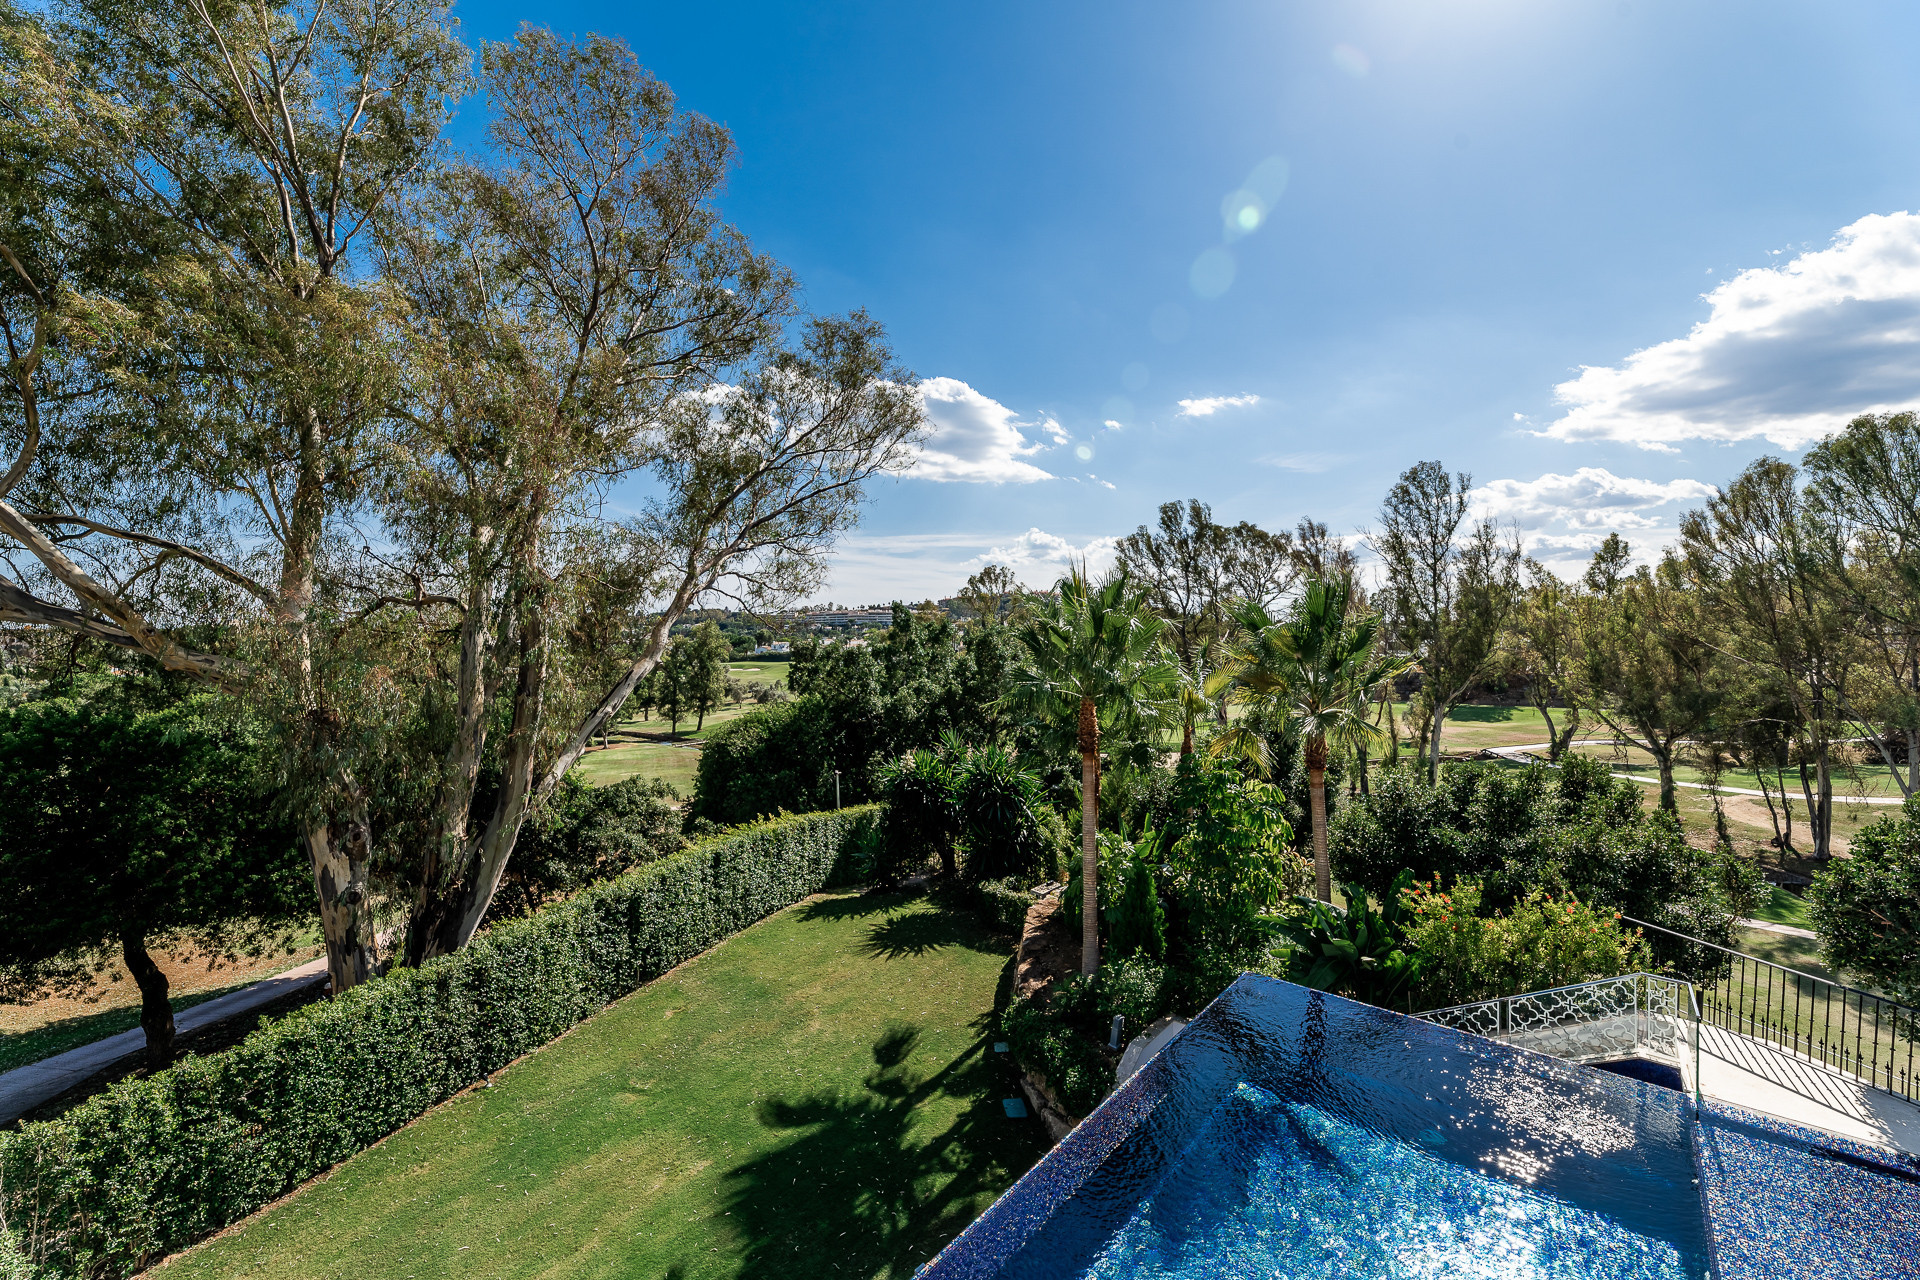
[862,1189]
[1480,714]
[915,933]
[853,906]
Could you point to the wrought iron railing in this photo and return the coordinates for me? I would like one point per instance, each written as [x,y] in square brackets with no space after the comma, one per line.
[1646,1015]
[1830,1024]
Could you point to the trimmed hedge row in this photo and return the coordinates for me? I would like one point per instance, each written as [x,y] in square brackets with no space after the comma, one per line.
[153,1165]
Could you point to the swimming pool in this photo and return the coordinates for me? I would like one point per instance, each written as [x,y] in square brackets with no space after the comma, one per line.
[1291,1134]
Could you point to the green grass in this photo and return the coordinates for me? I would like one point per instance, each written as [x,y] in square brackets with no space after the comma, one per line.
[1785,908]
[640,760]
[816,1097]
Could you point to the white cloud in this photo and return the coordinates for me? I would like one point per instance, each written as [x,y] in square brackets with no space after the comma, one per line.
[876,568]
[1788,352]
[1036,555]
[1111,425]
[1590,498]
[1206,406]
[977,438]
[1563,518]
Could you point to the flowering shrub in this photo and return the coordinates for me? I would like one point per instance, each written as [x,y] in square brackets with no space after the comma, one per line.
[1545,941]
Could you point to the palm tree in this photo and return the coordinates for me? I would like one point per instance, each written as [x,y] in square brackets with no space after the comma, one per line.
[1094,658]
[1319,673]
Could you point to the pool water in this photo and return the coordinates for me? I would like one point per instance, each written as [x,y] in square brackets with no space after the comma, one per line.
[1292,1135]
[1278,1188]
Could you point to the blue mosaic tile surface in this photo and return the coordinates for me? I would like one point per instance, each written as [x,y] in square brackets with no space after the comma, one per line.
[1789,1203]
[1292,1134]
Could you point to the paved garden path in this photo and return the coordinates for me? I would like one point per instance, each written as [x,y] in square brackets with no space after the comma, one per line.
[24,1088]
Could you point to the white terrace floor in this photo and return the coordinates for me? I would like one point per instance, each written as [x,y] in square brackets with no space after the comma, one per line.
[1762,1077]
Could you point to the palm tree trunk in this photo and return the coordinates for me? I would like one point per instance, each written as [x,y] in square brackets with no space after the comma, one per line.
[1317,810]
[1089,838]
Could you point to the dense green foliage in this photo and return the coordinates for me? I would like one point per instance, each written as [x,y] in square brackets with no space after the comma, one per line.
[124,829]
[1867,907]
[1542,942]
[585,835]
[156,1163]
[1063,1040]
[980,813]
[1575,830]
[854,709]
[1004,903]
[1360,952]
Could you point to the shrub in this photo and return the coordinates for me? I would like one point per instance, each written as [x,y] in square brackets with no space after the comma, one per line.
[1137,925]
[157,1163]
[922,817]
[1358,952]
[1867,907]
[1133,989]
[1064,1040]
[587,834]
[1075,1070]
[1573,830]
[778,758]
[1543,942]
[1004,903]
[1004,818]
[1230,850]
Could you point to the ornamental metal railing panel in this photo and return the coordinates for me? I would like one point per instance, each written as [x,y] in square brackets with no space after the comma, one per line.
[1815,1020]
[1646,1015]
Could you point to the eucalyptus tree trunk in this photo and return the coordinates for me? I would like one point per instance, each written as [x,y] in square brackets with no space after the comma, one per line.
[156,1013]
[1089,837]
[1437,722]
[339,842]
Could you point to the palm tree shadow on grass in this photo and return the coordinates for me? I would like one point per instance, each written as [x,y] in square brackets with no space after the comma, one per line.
[915,933]
[872,903]
[861,1189]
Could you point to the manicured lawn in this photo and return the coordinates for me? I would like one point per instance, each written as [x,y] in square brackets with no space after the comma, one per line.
[641,760]
[817,1097]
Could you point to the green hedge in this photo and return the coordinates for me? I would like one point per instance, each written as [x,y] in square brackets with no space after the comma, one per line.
[153,1165]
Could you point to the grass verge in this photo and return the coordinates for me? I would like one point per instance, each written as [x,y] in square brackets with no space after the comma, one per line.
[32,1032]
[815,1097]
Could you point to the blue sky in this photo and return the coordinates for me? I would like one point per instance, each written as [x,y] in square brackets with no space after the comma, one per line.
[1456,207]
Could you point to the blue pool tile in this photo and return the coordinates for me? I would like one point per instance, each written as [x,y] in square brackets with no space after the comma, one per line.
[1292,1134]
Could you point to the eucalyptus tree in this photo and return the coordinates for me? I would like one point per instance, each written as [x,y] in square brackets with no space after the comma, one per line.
[1095,658]
[1451,589]
[216,169]
[1541,650]
[1191,566]
[1756,554]
[1864,485]
[1316,673]
[1650,665]
[394,463]
[588,280]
